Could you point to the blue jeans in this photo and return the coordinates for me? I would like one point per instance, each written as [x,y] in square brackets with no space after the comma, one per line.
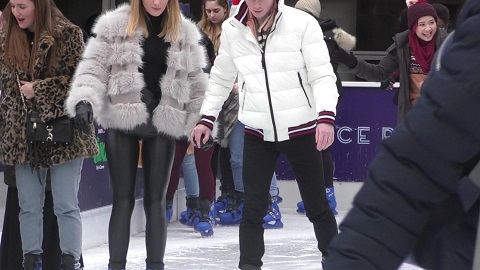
[190,176]
[65,179]
[235,143]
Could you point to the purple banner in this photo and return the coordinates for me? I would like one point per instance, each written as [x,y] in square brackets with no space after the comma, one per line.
[366,115]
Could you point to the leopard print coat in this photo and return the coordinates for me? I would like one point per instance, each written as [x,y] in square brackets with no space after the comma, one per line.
[50,95]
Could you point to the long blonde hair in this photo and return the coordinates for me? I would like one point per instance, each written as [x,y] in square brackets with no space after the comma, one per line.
[18,54]
[211,30]
[171,20]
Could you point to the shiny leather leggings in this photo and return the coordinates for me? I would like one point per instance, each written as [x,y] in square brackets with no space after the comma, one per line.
[157,156]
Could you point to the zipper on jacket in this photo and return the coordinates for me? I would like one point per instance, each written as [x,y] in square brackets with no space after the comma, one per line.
[303,88]
[264,66]
[244,95]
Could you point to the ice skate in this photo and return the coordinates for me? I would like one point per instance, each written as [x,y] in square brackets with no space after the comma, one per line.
[69,263]
[192,215]
[233,214]
[206,220]
[331,199]
[301,208]
[223,201]
[273,219]
[169,211]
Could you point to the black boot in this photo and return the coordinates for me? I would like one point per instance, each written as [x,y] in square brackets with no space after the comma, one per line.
[32,262]
[205,225]
[69,263]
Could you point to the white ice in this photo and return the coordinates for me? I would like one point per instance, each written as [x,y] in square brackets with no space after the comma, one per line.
[293,247]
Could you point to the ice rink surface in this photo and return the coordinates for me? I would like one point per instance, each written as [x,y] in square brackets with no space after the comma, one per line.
[293,247]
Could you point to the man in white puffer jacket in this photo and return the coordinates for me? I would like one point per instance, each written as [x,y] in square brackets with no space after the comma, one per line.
[287,103]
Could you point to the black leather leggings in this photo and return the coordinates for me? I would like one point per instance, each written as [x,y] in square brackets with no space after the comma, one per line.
[157,156]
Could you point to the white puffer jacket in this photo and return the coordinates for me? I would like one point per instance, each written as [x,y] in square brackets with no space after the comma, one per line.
[297,86]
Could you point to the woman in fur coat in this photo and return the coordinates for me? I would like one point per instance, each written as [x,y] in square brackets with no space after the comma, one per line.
[140,78]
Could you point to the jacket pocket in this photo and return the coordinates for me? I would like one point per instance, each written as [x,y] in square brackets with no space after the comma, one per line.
[303,88]
[243,94]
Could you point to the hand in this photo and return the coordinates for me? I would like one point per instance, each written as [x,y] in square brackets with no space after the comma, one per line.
[84,116]
[235,88]
[27,89]
[348,59]
[387,85]
[200,135]
[324,136]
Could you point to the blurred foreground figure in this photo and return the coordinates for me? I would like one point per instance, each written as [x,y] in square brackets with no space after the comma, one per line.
[411,203]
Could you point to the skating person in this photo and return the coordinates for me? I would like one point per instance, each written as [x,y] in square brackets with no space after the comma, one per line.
[40,50]
[287,108]
[135,80]
[411,53]
[335,38]
[410,203]
[199,206]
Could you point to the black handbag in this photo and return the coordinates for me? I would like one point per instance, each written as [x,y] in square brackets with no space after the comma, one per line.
[58,130]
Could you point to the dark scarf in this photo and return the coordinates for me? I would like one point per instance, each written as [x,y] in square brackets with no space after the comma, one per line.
[423,50]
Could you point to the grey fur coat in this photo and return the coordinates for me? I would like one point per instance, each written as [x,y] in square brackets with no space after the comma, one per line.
[108,78]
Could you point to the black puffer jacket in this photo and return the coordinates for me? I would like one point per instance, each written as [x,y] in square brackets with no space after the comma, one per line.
[409,203]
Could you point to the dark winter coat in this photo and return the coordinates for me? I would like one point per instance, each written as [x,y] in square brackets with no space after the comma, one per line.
[409,202]
[336,38]
[397,58]
[50,95]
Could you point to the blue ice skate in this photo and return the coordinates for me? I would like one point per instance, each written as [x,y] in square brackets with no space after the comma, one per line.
[206,221]
[273,219]
[331,199]
[332,202]
[233,214]
[169,211]
[222,202]
[301,208]
[192,215]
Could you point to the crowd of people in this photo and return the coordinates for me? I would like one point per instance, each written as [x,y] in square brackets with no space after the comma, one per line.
[218,98]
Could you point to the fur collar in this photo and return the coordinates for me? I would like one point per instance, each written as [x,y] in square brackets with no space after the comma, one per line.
[113,24]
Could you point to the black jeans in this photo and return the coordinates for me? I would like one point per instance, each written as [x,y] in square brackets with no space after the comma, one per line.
[157,156]
[259,161]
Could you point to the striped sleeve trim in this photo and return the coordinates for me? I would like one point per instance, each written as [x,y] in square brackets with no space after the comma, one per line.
[254,131]
[207,121]
[326,117]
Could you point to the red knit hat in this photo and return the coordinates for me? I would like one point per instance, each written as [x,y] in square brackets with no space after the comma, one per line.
[235,2]
[419,10]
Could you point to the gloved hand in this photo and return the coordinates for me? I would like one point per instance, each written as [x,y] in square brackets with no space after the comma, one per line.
[84,116]
[341,56]
[387,85]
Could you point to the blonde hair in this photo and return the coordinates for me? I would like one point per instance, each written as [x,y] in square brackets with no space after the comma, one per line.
[171,20]
[213,31]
